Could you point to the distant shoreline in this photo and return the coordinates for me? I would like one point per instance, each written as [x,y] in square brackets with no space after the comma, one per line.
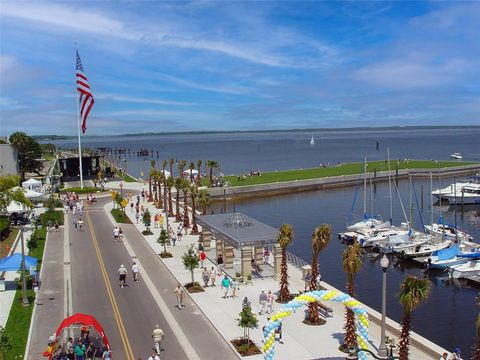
[215,132]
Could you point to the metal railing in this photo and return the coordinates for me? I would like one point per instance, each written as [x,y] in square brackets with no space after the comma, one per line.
[295,260]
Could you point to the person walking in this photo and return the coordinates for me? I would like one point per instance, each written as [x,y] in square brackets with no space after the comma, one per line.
[225,286]
[115,234]
[179,293]
[205,276]
[203,258]
[179,232]
[90,354]
[173,237]
[213,276]
[80,224]
[262,300]
[120,234]
[135,271]
[220,264]
[80,350]
[158,336]
[266,255]
[456,355]
[234,286]
[137,215]
[154,356]
[70,349]
[122,275]
[75,223]
[270,302]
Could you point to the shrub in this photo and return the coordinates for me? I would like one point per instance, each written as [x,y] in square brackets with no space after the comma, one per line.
[120,216]
[52,215]
[4,227]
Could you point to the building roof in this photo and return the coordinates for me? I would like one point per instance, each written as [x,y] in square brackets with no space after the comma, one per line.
[238,229]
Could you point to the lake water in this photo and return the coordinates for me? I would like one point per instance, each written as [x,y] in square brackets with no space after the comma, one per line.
[448,316]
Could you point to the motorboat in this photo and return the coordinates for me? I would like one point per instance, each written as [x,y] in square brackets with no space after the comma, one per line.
[454,191]
[447,231]
[381,236]
[470,268]
[443,259]
[456,156]
[426,249]
[369,223]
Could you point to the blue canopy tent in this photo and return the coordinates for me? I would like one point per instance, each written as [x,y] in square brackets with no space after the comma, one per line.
[14,262]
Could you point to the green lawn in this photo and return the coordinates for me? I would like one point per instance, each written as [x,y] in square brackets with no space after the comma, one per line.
[345,169]
[6,244]
[120,216]
[19,318]
[125,177]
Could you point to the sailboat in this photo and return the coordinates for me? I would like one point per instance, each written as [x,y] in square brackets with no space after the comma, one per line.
[312,141]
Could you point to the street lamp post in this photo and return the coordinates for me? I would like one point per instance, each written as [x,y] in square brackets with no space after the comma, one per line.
[121,190]
[384,263]
[24,277]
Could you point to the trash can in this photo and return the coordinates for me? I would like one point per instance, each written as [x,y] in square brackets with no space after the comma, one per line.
[2,284]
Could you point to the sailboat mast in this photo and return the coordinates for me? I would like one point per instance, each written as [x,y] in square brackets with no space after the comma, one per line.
[389,185]
[371,196]
[410,207]
[365,187]
[431,201]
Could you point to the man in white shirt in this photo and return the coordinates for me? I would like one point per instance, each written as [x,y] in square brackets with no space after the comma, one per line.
[154,356]
[135,271]
[116,232]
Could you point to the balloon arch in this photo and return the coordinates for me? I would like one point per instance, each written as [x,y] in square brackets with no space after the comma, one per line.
[309,297]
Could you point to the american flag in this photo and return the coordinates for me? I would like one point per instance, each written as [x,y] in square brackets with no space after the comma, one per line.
[85,94]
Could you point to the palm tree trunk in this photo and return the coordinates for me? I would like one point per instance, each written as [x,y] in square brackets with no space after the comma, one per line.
[210,176]
[404,337]
[177,206]
[194,223]
[313,314]
[186,221]
[160,198]
[170,210]
[149,188]
[284,292]
[350,339]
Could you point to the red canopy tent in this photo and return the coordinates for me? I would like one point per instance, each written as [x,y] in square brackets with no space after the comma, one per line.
[80,321]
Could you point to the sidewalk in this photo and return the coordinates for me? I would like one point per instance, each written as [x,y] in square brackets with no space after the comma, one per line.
[300,341]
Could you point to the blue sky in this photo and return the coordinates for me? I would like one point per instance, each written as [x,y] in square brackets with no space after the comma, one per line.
[208,65]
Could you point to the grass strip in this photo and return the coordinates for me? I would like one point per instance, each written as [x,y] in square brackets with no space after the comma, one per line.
[125,177]
[343,169]
[18,322]
[120,216]
[6,244]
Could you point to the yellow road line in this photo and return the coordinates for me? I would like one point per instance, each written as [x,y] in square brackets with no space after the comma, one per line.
[108,286]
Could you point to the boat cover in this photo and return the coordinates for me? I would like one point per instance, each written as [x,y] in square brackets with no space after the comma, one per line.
[446,254]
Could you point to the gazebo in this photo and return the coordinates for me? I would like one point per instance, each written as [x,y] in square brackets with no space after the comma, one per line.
[239,231]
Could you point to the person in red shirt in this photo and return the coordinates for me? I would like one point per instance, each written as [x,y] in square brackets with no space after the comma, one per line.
[203,258]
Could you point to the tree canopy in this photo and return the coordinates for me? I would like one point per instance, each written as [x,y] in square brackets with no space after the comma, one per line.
[29,151]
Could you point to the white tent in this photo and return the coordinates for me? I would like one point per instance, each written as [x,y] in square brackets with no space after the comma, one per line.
[166,173]
[16,207]
[29,194]
[32,184]
[188,172]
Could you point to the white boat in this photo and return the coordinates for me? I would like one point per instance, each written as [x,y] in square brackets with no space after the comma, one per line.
[470,268]
[312,141]
[402,243]
[427,249]
[456,156]
[443,259]
[468,195]
[448,232]
[455,190]
[370,223]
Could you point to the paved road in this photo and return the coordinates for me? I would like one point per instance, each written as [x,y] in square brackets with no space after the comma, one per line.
[129,314]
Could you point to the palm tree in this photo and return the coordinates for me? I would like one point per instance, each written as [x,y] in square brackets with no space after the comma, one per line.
[170,183]
[152,167]
[9,192]
[203,200]
[181,167]
[285,239]
[191,167]
[212,164]
[160,181]
[413,291]
[193,196]
[178,187]
[153,176]
[185,187]
[164,165]
[320,238]
[171,161]
[352,263]
[199,169]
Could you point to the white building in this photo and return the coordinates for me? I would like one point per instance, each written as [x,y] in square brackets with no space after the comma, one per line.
[8,160]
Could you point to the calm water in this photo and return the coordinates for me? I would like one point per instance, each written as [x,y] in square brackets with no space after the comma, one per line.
[448,316]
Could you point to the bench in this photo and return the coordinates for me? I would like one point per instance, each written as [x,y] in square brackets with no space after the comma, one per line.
[327,311]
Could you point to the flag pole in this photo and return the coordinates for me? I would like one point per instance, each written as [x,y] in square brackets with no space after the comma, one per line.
[79,135]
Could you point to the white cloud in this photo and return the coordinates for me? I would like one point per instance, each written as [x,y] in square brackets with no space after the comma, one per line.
[132,99]
[233,89]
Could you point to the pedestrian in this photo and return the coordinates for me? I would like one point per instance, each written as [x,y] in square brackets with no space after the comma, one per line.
[115,234]
[75,223]
[266,255]
[270,302]
[135,271]
[155,221]
[205,276]
[154,356]
[319,280]
[122,275]
[137,216]
[456,355]
[279,332]
[307,279]
[262,300]
[158,336]
[90,354]
[49,225]
[56,225]
[131,207]
[138,198]
[234,286]
[70,349]
[444,356]
[220,264]
[213,276]
[107,354]
[80,224]
[203,258]
[179,232]
[120,234]
[225,286]
[179,293]
[173,237]
[80,350]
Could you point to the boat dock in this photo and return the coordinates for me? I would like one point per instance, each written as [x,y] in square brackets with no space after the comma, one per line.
[285,187]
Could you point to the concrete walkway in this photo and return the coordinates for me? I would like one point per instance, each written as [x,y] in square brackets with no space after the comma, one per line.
[300,341]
